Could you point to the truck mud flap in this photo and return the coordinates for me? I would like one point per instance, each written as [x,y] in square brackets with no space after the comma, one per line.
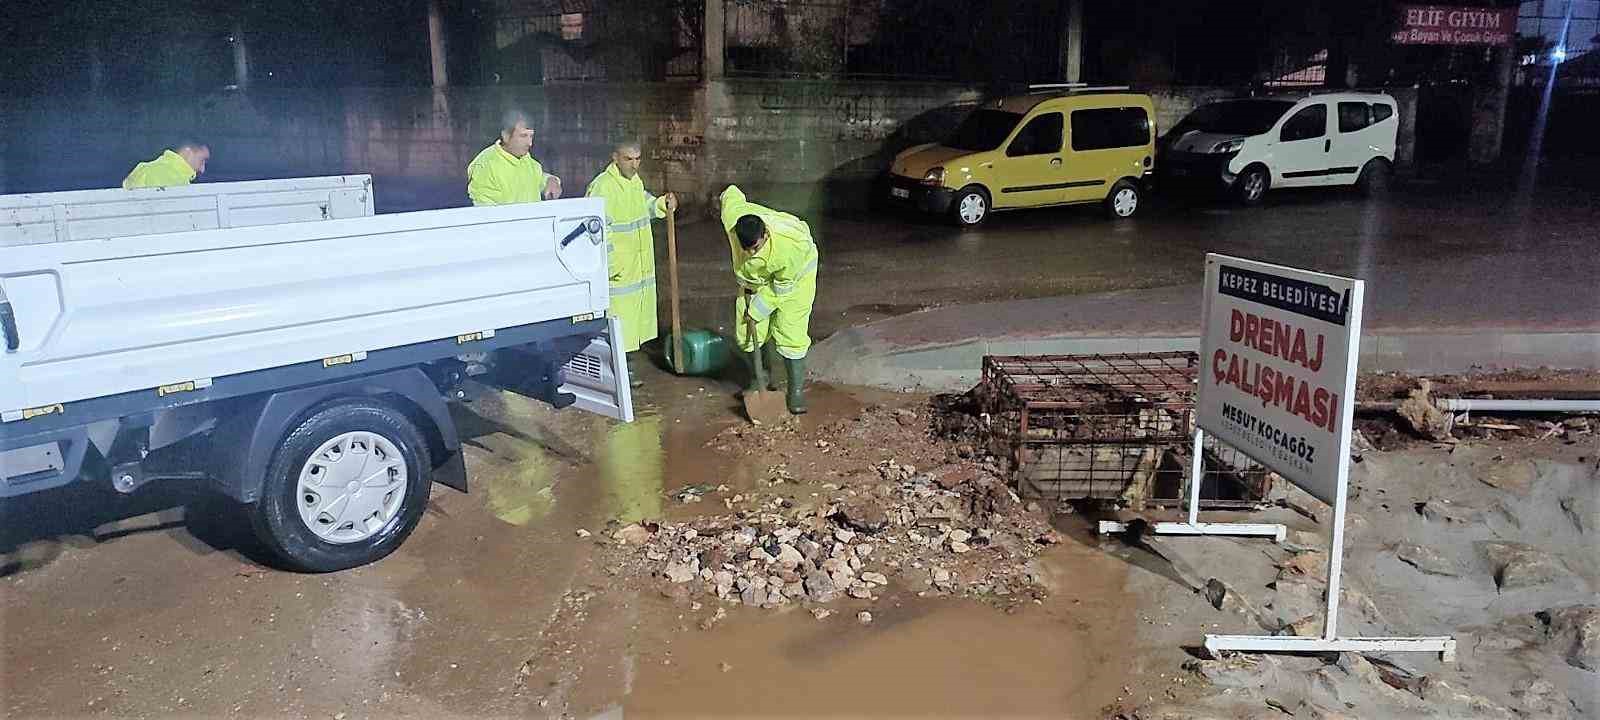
[598,376]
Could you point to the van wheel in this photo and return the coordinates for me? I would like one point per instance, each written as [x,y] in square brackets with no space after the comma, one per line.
[1124,199]
[1252,185]
[1373,182]
[345,487]
[970,207]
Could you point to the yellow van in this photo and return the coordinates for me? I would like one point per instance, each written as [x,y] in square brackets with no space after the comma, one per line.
[1056,147]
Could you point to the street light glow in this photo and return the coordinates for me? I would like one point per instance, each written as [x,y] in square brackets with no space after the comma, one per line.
[1558,54]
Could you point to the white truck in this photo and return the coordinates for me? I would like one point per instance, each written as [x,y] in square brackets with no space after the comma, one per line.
[302,368]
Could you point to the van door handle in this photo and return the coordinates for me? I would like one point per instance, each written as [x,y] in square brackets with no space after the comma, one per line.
[1327,145]
[1056,162]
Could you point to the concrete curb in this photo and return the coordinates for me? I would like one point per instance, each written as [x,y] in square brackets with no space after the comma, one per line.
[857,357]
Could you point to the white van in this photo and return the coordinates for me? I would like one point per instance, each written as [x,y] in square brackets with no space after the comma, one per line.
[1249,146]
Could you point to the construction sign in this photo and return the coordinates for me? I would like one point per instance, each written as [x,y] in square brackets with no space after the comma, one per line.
[1278,368]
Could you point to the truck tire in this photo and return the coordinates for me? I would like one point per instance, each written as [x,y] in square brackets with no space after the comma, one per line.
[345,486]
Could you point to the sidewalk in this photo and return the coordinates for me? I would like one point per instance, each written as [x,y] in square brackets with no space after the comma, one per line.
[1417,322]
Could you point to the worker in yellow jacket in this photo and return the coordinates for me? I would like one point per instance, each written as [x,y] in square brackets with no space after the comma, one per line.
[506,172]
[630,244]
[775,264]
[173,167]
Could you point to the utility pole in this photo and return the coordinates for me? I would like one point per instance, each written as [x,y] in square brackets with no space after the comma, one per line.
[1072,42]
[436,44]
[712,41]
[241,57]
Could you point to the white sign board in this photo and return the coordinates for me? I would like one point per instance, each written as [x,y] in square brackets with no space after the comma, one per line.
[1278,368]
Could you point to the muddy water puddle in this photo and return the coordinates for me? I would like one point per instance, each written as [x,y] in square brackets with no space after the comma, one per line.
[920,656]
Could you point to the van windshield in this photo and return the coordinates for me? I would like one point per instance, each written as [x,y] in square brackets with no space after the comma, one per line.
[983,130]
[1236,117]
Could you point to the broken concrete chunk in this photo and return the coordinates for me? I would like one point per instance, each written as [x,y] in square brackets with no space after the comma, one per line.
[1540,698]
[1425,559]
[1574,632]
[789,557]
[1441,510]
[682,572]
[1311,562]
[863,513]
[633,534]
[820,587]
[1426,420]
[754,596]
[1517,565]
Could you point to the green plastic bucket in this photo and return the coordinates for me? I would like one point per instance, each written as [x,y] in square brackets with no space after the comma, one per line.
[704,352]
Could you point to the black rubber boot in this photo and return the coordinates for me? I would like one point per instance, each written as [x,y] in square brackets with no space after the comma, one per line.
[796,398]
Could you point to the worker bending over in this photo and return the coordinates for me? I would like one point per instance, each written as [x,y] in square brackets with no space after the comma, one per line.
[172,167]
[775,264]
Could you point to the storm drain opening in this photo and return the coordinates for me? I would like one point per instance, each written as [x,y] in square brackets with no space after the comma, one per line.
[1110,428]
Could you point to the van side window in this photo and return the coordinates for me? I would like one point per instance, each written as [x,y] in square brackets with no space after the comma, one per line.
[1041,136]
[1354,116]
[1105,128]
[1381,112]
[1311,122]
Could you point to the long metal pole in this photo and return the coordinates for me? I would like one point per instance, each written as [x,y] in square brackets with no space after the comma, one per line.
[1196,474]
[1347,410]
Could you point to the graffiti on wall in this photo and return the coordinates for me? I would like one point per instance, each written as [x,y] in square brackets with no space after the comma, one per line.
[832,112]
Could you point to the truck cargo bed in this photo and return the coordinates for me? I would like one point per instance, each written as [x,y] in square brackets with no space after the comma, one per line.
[34,218]
[144,313]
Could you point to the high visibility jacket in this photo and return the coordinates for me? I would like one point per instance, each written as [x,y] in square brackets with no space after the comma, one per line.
[630,252]
[167,170]
[782,275]
[496,177]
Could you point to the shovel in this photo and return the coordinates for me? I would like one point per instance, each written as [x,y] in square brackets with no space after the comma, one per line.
[677,318]
[691,351]
[761,405]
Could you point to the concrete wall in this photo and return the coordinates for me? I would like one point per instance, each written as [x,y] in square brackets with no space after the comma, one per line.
[417,141]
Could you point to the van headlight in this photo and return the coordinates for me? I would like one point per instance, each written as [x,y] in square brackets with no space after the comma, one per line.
[1228,146]
[935,176]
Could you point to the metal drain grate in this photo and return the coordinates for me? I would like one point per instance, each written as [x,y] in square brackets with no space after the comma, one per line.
[1107,427]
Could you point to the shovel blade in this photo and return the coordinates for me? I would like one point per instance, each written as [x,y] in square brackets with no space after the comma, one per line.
[765,407]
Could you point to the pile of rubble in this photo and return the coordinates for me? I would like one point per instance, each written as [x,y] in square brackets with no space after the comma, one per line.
[955,531]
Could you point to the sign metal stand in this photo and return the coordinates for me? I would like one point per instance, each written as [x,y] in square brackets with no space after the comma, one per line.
[1279,278]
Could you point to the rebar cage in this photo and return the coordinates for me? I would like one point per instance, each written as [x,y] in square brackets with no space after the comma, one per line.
[1115,428]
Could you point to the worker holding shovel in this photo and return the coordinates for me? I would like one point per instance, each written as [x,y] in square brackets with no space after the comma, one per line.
[775,264]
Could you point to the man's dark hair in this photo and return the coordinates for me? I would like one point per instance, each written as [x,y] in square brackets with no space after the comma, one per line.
[749,229]
[510,118]
[190,143]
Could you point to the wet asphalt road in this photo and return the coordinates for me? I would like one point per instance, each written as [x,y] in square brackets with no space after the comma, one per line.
[153,606]
[876,265]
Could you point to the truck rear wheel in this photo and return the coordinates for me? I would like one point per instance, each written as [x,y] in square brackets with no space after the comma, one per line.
[345,487]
